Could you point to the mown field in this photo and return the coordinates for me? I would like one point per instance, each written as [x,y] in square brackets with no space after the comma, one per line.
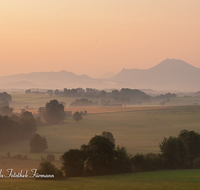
[155,180]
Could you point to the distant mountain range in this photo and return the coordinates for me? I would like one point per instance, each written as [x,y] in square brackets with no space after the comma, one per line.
[170,74]
[50,80]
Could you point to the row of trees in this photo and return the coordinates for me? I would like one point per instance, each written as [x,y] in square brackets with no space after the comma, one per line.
[100,156]
[181,151]
[17,127]
[176,153]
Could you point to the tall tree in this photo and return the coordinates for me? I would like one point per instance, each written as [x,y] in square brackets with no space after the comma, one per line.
[100,156]
[192,141]
[53,113]
[73,163]
[174,152]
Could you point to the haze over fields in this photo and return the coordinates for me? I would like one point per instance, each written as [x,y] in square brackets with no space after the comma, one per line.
[170,74]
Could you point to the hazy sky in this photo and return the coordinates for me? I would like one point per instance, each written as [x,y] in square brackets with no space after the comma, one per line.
[94,36]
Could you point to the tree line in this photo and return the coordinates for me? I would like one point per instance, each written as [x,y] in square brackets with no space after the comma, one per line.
[101,157]
[15,127]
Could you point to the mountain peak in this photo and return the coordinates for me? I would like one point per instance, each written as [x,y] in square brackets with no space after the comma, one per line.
[174,65]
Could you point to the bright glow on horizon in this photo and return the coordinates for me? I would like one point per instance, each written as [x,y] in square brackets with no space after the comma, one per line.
[92,37]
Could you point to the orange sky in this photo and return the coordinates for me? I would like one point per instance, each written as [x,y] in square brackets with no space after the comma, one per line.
[91,37]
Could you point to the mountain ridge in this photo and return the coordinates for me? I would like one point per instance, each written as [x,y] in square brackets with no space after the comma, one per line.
[170,74]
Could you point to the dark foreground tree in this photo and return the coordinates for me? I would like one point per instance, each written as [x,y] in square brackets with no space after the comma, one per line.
[192,142]
[100,156]
[73,163]
[174,152]
[38,144]
[77,116]
[123,162]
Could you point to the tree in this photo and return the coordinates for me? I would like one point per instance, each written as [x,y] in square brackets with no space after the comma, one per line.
[73,163]
[4,96]
[6,110]
[174,152]
[53,113]
[108,135]
[77,116]
[38,144]
[100,156]
[28,123]
[192,142]
[27,115]
[123,162]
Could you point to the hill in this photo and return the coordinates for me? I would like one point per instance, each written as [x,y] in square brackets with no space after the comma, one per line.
[61,79]
[170,74]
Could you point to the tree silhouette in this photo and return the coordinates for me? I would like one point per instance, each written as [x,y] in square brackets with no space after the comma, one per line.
[77,116]
[38,144]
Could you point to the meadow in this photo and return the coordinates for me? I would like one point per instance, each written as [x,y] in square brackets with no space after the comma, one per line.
[140,131]
[159,180]
[139,128]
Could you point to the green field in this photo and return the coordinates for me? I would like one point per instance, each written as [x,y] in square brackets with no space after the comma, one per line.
[139,131]
[156,180]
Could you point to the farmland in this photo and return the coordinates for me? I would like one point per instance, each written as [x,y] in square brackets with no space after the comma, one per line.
[139,128]
[140,131]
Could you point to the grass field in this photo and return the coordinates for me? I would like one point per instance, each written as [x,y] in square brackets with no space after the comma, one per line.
[139,128]
[35,101]
[156,180]
[140,131]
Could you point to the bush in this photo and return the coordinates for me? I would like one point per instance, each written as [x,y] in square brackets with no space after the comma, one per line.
[47,168]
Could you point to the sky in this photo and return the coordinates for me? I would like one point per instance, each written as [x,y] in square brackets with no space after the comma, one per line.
[91,36]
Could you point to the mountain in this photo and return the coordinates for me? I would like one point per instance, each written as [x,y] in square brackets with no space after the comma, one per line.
[170,74]
[107,75]
[62,79]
